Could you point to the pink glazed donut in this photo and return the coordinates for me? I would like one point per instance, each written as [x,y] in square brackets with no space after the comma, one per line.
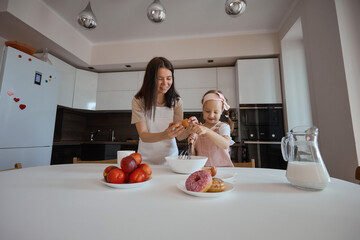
[199,181]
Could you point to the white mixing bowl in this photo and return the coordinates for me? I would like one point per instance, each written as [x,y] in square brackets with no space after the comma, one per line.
[186,166]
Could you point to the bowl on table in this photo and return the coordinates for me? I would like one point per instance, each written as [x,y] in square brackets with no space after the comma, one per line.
[186,166]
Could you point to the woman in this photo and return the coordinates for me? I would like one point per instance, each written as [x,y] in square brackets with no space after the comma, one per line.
[154,107]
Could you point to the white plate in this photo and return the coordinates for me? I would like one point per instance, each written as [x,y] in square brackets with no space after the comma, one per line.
[228,188]
[226,176]
[125,185]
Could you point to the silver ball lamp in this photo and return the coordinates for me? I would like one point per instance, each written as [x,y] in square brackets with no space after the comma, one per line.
[156,12]
[235,7]
[86,18]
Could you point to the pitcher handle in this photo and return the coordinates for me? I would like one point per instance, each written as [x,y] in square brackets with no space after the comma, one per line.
[284,147]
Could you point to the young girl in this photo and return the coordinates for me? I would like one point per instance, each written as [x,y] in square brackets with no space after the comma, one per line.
[212,139]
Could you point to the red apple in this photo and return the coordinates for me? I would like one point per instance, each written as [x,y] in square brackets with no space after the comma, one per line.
[128,164]
[147,170]
[127,176]
[137,157]
[116,175]
[107,170]
[137,176]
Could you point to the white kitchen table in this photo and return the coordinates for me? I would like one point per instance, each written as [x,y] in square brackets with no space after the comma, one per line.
[70,202]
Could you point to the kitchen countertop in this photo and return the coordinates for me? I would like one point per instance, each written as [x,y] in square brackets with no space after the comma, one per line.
[60,143]
[93,142]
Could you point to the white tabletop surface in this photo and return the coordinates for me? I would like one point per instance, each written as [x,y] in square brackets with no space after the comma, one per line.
[70,202]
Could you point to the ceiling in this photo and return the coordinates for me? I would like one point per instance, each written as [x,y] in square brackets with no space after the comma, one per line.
[126,20]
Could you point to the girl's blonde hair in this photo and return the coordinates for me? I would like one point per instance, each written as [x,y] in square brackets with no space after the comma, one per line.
[226,112]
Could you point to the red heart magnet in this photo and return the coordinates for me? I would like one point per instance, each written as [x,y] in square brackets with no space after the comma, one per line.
[16,99]
[10,93]
[22,106]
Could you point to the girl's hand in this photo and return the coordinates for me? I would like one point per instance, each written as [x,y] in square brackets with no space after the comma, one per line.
[192,138]
[199,129]
[193,120]
[174,130]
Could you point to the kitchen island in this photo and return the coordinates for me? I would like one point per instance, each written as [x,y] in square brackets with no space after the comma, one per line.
[71,202]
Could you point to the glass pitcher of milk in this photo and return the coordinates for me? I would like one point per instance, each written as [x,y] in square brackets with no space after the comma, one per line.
[306,168]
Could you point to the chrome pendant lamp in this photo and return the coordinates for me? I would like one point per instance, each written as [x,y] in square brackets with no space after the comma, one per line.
[156,12]
[235,7]
[87,18]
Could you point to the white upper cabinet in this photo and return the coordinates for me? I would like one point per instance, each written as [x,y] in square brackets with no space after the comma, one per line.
[141,75]
[258,81]
[195,78]
[85,90]
[115,91]
[226,84]
[192,84]
[66,81]
[192,98]
[117,81]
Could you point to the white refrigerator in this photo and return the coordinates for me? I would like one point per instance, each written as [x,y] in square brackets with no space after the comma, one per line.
[28,101]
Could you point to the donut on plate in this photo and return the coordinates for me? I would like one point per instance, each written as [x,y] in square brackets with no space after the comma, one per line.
[199,181]
[217,185]
[212,170]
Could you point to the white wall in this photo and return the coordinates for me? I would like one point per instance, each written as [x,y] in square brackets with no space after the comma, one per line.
[187,49]
[327,84]
[349,19]
[295,82]
[37,15]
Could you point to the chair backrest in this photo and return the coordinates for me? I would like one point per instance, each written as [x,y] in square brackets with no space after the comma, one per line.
[357,173]
[250,164]
[17,166]
[78,160]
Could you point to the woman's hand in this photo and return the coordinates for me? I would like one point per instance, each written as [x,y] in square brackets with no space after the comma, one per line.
[173,130]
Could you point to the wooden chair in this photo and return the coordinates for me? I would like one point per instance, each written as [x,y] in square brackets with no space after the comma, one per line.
[250,164]
[17,166]
[78,160]
[357,173]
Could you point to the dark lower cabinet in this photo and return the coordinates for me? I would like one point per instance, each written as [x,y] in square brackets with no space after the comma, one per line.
[64,154]
[99,151]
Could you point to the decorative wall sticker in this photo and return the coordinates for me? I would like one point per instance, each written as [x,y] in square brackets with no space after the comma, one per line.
[48,80]
[22,106]
[10,93]
[16,99]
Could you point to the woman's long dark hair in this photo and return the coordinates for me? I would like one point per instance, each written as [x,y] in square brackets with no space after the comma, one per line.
[149,88]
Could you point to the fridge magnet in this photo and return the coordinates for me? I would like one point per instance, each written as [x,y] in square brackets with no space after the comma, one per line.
[16,99]
[22,106]
[10,93]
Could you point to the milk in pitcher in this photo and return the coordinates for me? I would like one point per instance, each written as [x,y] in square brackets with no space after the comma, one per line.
[309,175]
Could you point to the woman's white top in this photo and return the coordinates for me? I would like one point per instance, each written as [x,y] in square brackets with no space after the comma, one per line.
[155,152]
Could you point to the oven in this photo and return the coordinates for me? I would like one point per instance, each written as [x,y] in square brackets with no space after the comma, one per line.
[261,130]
